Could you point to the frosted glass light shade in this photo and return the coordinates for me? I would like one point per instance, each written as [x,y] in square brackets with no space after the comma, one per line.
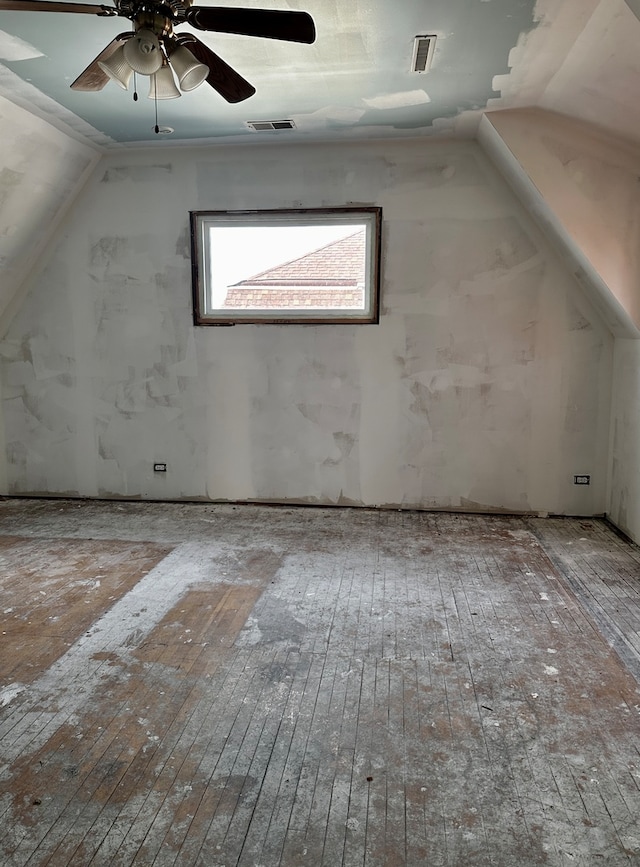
[191,73]
[162,85]
[142,52]
[117,68]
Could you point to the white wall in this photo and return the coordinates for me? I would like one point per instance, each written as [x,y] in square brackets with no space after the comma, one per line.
[41,172]
[624,498]
[485,386]
[582,187]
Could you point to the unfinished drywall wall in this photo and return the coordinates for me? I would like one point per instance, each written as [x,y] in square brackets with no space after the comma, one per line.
[41,172]
[624,485]
[582,187]
[486,384]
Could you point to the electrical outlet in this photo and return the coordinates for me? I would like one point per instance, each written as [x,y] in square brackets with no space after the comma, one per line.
[159,468]
[582,480]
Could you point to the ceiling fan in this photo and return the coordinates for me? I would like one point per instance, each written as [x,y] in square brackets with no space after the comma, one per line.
[153,49]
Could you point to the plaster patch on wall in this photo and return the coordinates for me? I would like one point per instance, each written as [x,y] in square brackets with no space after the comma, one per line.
[598,178]
[183,244]
[421,400]
[13,48]
[137,174]
[495,247]
[295,382]
[457,170]
[576,320]
[346,443]
[104,251]
[329,116]
[10,180]
[397,119]
[326,416]
[398,100]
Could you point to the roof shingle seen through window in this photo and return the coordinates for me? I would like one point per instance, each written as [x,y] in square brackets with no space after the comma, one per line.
[330,277]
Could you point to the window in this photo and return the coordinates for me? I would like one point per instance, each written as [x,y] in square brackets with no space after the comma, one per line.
[308,266]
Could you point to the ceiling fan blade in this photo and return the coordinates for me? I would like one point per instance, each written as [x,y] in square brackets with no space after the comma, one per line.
[93,78]
[229,83]
[271,24]
[45,6]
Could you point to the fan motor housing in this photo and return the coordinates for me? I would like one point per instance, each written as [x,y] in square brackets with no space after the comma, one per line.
[158,23]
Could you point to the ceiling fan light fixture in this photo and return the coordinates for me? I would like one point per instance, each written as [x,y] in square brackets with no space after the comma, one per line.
[162,84]
[117,68]
[142,52]
[191,73]
[152,45]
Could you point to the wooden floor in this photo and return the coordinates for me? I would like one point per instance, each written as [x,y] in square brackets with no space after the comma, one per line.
[218,685]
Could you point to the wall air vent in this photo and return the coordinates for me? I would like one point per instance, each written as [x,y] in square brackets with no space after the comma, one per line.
[423,53]
[262,125]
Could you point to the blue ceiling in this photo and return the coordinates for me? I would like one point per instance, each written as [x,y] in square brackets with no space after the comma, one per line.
[354,81]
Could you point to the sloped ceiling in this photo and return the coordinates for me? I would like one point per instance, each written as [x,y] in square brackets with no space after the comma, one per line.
[566,134]
[582,60]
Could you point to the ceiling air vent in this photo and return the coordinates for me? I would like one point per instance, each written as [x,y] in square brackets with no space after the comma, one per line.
[262,125]
[423,53]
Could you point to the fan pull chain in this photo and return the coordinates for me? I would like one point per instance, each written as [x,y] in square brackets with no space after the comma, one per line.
[135,87]
[156,128]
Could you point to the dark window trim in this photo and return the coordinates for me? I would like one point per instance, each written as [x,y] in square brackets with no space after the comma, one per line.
[198,282]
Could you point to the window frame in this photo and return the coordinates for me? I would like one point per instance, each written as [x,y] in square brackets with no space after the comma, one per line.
[201,221]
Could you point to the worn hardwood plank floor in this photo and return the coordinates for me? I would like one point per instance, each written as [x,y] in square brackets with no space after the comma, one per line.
[217,685]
